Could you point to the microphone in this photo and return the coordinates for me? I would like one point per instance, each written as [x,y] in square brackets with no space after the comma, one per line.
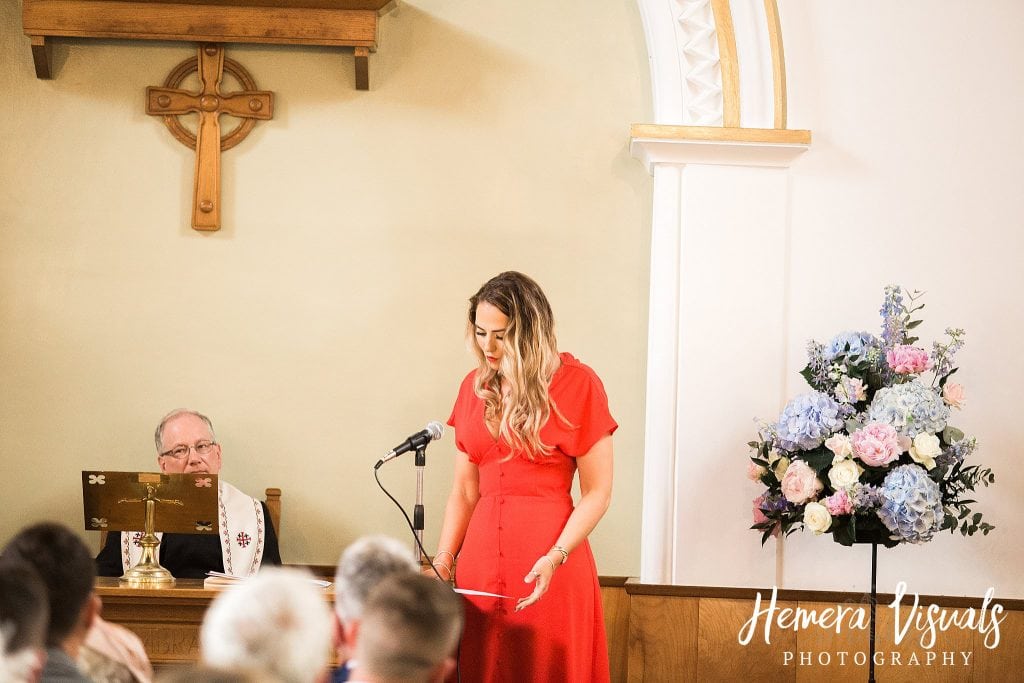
[420,439]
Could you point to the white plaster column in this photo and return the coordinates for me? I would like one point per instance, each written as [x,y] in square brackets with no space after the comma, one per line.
[720,231]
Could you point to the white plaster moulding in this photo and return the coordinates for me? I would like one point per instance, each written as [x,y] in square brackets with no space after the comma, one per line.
[652,151]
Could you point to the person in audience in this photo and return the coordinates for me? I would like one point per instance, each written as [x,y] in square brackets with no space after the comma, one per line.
[361,567]
[24,610]
[185,442]
[65,566]
[408,631]
[275,624]
[113,654]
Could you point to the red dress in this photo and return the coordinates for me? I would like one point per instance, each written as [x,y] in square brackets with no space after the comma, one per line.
[522,508]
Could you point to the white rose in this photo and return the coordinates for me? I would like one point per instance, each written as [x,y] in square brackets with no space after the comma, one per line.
[816,518]
[924,450]
[840,445]
[780,467]
[844,474]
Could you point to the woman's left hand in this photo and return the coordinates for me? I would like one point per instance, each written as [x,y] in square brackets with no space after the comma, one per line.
[541,575]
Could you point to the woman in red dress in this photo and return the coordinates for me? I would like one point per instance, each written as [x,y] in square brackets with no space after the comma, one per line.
[526,420]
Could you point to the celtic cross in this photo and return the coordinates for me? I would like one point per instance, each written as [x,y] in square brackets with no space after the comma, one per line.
[171,102]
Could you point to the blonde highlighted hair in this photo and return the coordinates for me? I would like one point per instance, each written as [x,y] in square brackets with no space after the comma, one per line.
[528,363]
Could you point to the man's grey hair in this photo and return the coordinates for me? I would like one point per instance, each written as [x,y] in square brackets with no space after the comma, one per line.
[409,628]
[276,624]
[362,566]
[158,436]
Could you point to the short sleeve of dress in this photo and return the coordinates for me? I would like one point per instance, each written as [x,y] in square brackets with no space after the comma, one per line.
[462,411]
[581,399]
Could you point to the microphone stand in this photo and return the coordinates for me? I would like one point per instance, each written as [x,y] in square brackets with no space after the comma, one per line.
[417,512]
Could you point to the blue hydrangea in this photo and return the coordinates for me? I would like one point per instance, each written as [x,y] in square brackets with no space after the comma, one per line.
[911,504]
[866,497]
[911,408]
[851,344]
[807,421]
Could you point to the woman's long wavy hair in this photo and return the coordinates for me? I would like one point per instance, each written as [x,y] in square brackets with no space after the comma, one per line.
[528,363]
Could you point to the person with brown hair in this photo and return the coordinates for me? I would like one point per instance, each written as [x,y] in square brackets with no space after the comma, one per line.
[526,420]
[63,564]
[407,631]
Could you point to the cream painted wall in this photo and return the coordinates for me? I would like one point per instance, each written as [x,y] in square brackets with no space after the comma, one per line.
[323,323]
[914,177]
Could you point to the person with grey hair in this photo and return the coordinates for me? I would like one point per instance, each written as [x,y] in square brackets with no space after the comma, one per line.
[408,631]
[186,443]
[275,625]
[362,566]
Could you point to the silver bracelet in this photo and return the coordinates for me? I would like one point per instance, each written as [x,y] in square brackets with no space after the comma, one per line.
[444,552]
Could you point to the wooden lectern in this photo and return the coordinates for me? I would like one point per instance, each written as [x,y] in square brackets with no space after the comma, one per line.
[128,501]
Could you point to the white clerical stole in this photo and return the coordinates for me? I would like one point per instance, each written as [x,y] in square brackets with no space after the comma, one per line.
[242,534]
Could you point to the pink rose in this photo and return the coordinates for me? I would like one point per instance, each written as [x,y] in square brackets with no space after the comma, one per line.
[876,444]
[759,516]
[953,394]
[907,360]
[800,483]
[755,471]
[839,503]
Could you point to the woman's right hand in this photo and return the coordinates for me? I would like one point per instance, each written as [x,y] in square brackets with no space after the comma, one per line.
[442,572]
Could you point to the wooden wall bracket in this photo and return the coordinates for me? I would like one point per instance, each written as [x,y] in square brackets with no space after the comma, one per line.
[334,23]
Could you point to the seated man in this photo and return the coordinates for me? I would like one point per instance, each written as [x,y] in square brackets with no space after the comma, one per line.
[64,564]
[185,442]
[24,615]
[276,626]
[362,566]
[408,631]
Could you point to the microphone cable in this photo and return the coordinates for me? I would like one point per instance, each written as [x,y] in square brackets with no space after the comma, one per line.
[423,553]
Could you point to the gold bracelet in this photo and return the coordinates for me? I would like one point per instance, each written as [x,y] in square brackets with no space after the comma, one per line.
[446,567]
[565,553]
[443,552]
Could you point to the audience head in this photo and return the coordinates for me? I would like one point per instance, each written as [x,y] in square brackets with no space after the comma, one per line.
[276,624]
[362,566]
[185,442]
[408,630]
[24,610]
[65,566]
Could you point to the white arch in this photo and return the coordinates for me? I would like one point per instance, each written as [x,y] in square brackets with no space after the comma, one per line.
[685,150]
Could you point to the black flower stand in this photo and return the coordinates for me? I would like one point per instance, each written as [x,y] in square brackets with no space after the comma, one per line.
[874,603]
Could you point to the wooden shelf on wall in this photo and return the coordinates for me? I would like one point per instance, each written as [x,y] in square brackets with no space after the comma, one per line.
[334,23]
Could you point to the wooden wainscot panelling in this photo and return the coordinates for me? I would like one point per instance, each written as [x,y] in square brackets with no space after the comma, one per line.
[831,653]
[662,639]
[721,657]
[615,601]
[692,633]
[908,661]
[684,634]
[1006,659]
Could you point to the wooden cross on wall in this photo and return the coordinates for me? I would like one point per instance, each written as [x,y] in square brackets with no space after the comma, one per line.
[171,102]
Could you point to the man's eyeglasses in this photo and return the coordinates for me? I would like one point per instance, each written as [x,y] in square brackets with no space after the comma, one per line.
[181,452]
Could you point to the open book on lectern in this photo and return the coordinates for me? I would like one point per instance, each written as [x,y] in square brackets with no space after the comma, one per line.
[178,503]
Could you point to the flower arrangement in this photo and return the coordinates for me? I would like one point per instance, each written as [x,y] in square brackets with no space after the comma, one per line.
[868,454]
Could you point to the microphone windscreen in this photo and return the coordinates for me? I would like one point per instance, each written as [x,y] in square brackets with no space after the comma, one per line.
[436,429]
